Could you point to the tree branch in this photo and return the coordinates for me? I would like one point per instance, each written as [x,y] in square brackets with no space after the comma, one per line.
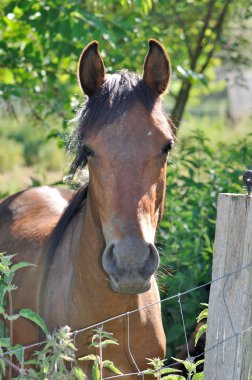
[199,46]
[181,24]
[217,29]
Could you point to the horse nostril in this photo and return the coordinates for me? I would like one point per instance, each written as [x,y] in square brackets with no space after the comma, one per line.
[109,260]
[154,255]
[151,263]
[130,261]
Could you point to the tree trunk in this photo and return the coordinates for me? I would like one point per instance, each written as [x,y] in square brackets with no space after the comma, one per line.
[185,88]
[181,101]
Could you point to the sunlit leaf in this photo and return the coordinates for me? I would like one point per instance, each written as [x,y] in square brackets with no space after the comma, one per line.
[89,357]
[78,373]
[164,371]
[110,365]
[202,315]
[21,265]
[96,372]
[34,317]
[200,332]
[198,376]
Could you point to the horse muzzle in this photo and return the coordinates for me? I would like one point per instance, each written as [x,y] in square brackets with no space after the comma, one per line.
[130,263]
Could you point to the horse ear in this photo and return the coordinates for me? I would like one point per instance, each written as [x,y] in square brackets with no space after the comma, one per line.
[157,67]
[91,70]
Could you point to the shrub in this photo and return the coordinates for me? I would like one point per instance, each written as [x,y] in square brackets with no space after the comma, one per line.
[197,173]
[11,154]
[50,156]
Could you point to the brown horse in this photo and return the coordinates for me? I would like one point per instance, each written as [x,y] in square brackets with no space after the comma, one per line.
[94,249]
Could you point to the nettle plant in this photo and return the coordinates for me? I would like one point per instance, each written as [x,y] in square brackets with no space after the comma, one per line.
[56,359]
[58,350]
[159,370]
[7,273]
[100,340]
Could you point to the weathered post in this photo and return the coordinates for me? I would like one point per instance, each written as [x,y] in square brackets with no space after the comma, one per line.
[229,333]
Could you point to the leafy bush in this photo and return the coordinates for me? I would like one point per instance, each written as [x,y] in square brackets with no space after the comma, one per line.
[22,132]
[50,156]
[11,154]
[197,173]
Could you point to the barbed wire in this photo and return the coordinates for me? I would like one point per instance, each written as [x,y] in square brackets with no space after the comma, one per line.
[138,372]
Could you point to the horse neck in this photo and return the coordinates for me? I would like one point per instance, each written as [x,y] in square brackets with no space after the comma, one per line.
[90,245]
[88,276]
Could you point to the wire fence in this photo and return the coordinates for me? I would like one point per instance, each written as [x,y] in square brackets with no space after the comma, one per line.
[178,296]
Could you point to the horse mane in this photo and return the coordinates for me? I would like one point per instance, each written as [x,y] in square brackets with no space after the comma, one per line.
[70,211]
[117,95]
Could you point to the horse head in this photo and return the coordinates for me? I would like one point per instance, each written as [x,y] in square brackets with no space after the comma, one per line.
[125,137]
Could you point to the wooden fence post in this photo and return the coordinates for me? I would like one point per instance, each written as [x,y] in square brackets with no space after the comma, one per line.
[230,304]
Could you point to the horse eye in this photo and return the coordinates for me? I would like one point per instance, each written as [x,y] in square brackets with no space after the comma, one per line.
[168,147]
[88,151]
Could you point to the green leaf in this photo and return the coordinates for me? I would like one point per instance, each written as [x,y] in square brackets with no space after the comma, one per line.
[173,377]
[200,332]
[164,371]
[205,304]
[89,357]
[95,344]
[2,366]
[107,342]
[19,353]
[31,374]
[21,265]
[2,293]
[95,336]
[110,365]
[189,365]
[96,372]
[34,317]
[108,335]
[202,315]
[71,346]
[178,360]
[198,376]
[66,358]
[3,268]
[31,362]
[5,342]
[199,362]
[149,371]
[78,373]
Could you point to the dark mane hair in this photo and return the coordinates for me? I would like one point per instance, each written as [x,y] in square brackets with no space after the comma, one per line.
[117,95]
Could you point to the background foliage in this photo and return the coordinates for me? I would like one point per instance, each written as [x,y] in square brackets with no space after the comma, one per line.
[197,173]
[40,42]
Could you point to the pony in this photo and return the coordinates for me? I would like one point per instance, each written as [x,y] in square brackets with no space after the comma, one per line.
[93,250]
